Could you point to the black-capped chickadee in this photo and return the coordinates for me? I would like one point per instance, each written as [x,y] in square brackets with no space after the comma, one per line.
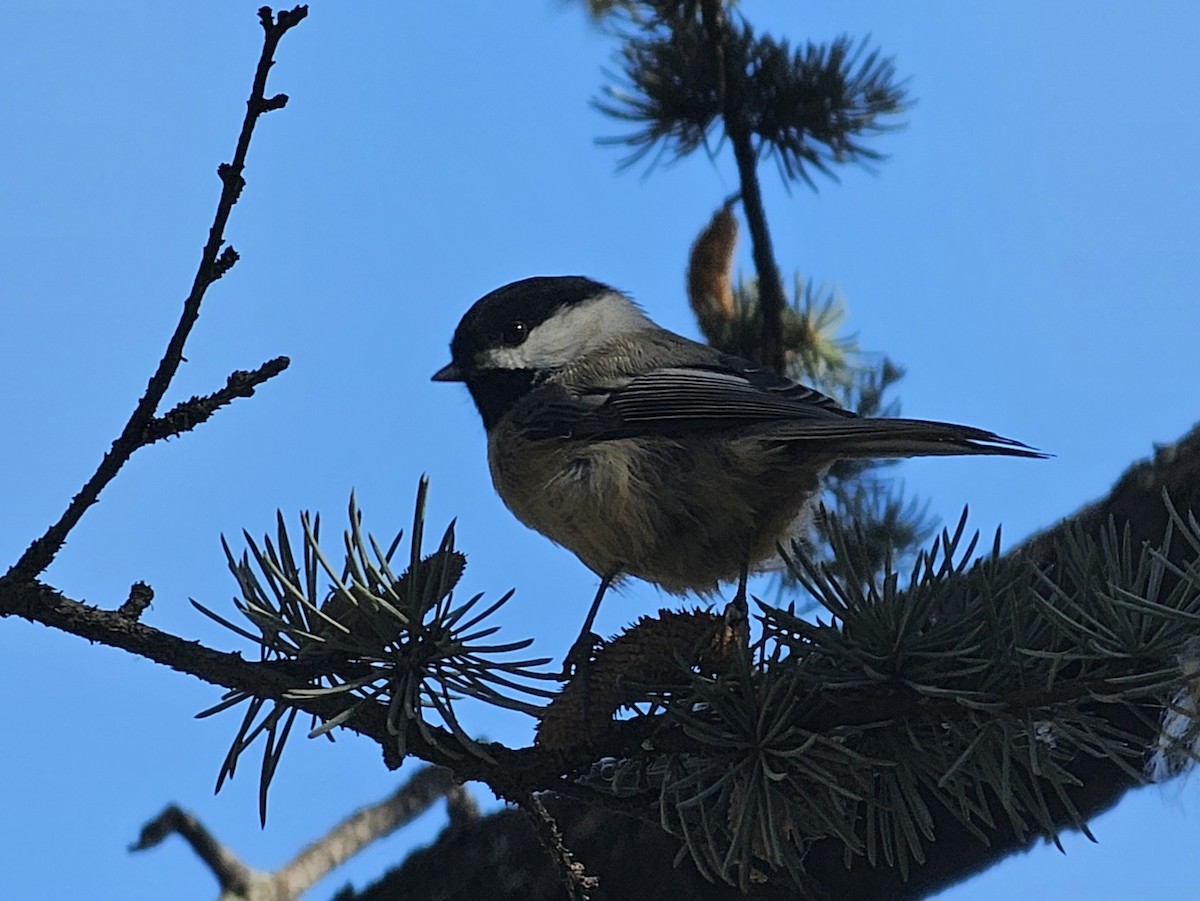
[650,455]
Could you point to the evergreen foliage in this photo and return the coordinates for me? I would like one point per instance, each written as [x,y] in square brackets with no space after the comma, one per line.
[973,689]
[808,108]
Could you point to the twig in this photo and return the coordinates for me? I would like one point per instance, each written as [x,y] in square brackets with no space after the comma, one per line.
[460,807]
[770,286]
[185,416]
[364,826]
[347,838]
[514,771]
[140,597]
[578,884]
[213,264]
[234,877]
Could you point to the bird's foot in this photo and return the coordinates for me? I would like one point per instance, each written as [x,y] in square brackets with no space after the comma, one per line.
[738,608]
[737,616]
[579,658]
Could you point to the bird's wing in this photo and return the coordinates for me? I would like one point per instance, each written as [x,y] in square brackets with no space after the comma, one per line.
[730,395]
[678,400]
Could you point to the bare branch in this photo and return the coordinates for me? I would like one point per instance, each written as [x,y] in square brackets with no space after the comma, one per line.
[347,838]
[185,416]
[364,826]
[213,264]
[512,775]
[140,597]
[234,877]
[577,883]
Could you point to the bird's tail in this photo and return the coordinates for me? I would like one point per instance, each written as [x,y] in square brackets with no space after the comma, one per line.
[864,438]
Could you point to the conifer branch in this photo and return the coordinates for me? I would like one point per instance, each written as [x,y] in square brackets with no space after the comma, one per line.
[737,128]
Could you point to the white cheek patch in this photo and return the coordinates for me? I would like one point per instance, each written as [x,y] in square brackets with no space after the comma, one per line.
[505,358]
[569,334]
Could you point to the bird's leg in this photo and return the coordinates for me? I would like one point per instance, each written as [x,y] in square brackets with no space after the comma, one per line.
[580,654]
[737,611]
[740,598]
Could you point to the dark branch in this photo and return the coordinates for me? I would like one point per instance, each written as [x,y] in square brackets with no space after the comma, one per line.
[224,263]
[512,775]
[42,551]
[279,101]
[738,129]
[140,597]
[575,880]
[185,416]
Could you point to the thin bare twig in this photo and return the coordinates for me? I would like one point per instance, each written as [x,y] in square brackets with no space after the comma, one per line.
[347,838]
[185,416]
[514,771]
[578,884]
[213,264]
[364,826]
[234,877]
[140,597]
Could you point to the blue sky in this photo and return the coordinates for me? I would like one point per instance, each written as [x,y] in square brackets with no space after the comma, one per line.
[1029,252]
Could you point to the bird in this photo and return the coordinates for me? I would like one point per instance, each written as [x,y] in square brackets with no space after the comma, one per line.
[652,456]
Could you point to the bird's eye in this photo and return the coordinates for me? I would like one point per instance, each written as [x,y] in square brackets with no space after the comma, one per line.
[515,332]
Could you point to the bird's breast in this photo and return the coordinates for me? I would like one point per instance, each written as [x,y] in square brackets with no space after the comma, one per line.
[685,515]
[589,497]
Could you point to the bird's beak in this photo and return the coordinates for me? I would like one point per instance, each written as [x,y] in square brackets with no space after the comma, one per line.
[449,373]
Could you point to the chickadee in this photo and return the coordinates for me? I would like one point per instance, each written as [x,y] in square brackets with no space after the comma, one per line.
[650,455]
